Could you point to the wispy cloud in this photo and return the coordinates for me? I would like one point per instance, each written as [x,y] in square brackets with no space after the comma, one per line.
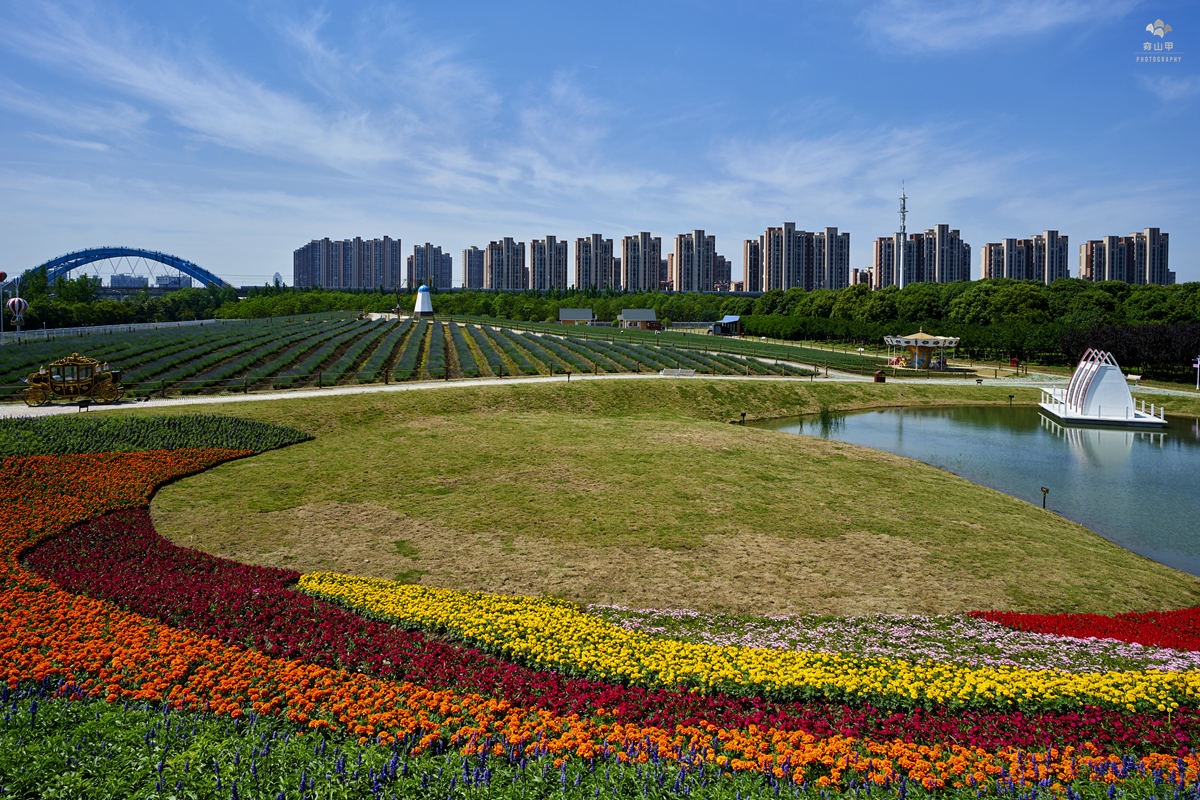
[943,25]
[846,174]
[213,102]
[114,118]
[81,144]
[1169,88]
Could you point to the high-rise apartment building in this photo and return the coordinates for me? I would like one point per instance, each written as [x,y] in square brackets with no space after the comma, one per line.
[348,264]
[641,262]
[1140,258]
[429,266]
[694,253]
[547,264]
[1042,257]
[752,265]
[888,264]
[722,273]
[472,261]
[939,255]
[594,268]
[783,258]
[504,266]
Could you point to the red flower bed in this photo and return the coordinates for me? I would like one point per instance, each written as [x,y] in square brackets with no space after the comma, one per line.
[1179,630]
[121,558]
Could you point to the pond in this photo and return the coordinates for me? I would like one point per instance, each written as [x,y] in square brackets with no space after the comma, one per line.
[1135,488]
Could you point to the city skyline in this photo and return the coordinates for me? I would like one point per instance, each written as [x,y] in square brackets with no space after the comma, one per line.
[227,135]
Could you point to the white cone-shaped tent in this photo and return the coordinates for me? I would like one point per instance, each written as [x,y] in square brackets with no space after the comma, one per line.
[424,306]
[1098,394]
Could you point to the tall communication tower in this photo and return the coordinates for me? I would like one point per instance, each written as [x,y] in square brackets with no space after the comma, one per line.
[903,209]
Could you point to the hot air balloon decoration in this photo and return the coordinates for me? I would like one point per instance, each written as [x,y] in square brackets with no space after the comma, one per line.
[17,307]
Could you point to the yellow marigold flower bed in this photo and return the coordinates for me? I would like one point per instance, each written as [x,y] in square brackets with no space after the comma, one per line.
[554,635]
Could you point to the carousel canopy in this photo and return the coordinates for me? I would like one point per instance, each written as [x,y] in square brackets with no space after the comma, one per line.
[921,339]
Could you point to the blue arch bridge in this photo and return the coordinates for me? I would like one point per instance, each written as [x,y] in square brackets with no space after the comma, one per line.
[60,266]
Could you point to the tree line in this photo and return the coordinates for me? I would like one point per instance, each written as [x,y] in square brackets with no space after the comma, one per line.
[1151,327]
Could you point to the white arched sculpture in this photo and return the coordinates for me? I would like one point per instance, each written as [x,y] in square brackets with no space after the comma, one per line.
[424,306]
[1098,394]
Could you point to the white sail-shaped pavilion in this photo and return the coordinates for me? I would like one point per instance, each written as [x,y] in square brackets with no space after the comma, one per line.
[1099,395]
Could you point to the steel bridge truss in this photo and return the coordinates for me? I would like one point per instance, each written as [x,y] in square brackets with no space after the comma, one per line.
[58,267]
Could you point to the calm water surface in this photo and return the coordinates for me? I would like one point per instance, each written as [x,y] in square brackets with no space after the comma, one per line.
[1135,488]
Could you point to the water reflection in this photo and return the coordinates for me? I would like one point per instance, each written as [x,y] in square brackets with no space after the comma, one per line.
[1135,488]
[1097,446]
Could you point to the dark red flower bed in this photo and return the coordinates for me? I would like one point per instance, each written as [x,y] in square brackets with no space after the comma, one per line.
[121,558]
[1179,630]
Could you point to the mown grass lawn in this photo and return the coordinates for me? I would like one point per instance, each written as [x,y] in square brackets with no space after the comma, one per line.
[641,493]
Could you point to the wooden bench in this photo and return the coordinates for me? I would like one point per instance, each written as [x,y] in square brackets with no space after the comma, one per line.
[677,373]
[979,381]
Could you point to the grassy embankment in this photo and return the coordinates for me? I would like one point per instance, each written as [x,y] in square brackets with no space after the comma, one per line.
[640,493]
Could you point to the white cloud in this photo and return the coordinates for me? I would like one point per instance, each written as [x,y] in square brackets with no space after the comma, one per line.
[1169,88]
[115,118]
[214,103]
[936,25]
[845,174]
[81,144]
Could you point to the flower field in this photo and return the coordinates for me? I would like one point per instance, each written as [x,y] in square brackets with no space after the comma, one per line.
[157,671]
[551,635]
[281,354]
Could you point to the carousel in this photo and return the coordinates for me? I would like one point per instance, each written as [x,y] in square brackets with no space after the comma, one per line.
[920,350]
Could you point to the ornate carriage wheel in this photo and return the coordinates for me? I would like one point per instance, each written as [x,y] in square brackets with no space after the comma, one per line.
[105,393]
[34,396]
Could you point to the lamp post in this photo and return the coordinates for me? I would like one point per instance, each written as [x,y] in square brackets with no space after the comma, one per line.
[1045,492]
[3,291]
[1196,366]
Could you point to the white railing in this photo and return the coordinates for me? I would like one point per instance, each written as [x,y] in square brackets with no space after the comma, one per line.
[50,334]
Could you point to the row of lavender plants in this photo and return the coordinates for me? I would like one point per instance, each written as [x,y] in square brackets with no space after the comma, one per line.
[435,356]
[241,364]
[304,368]
[381,358]
[346,363]
[466,359]
[494,361]
[406,363]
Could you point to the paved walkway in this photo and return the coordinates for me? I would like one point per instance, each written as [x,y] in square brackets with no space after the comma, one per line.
[13,410]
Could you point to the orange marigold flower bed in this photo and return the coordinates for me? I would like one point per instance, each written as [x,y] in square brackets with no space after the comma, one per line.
[46,632]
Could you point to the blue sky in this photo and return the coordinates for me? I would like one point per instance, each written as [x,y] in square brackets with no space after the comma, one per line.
[232,133]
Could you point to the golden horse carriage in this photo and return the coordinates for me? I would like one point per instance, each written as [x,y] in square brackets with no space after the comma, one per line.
[75,377]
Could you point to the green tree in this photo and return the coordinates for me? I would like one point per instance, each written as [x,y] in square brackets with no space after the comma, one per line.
[820,303]
[1147,304]
[880,306]
[920,301]
[1024,300]
[974,306]
[848,300]
[81,289]
[769,302]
